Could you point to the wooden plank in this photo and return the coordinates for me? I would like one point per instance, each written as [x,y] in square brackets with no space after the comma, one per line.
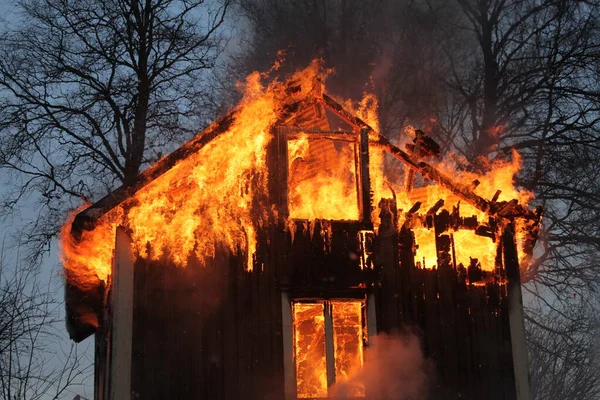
[515,314]
[122,317]
[288,349]
[329,345]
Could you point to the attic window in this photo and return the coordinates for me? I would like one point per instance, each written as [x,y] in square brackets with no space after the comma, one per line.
[328,346]
[322,179]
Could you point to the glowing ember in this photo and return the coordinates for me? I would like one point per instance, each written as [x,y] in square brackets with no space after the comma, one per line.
[309,350]
[348,344]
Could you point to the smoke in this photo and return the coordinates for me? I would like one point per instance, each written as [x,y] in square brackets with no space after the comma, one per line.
[394,369]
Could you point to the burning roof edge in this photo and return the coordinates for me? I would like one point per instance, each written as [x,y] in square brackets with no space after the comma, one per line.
[87,218]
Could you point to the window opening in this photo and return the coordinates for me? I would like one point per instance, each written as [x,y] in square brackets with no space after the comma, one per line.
[322,179]
[322,324]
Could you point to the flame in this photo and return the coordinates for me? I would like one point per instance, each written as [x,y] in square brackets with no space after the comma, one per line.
[310,338]
[322,180]
[468,245]
[205,200]
[309,350]
[499,176]
[348,344]
[88,259]
[426,253]
[217,196]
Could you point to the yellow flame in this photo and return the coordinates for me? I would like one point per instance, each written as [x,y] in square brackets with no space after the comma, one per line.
[216,196]
[203,201]
[322,180]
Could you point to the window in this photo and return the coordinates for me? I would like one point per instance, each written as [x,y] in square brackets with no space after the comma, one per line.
[328,342]
[322,179]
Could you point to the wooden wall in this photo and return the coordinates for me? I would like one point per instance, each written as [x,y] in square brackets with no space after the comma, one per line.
[214,331]
[464,329]
[209,332]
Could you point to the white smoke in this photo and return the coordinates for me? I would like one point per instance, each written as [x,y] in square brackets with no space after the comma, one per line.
[394,369]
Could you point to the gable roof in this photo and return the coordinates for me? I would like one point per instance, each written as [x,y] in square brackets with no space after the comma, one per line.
[320,114]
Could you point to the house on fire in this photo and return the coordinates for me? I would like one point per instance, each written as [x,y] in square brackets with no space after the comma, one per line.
[292,306]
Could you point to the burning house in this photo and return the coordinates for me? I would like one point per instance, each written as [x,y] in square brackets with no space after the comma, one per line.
[260,259]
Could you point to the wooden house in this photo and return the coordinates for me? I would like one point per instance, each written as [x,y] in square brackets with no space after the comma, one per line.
[319,290]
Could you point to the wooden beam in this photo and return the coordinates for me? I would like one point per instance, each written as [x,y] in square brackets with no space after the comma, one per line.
[287,326]
[433,174]
[515,314]
[322,135]
[365,181]
[121,318]
[329,345]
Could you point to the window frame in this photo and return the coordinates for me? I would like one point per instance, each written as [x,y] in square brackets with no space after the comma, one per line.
[369,330]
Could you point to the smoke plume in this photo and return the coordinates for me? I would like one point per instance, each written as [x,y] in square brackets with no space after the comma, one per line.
[394,369]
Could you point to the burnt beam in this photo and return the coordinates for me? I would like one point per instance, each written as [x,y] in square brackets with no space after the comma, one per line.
[433,174]
[365,181]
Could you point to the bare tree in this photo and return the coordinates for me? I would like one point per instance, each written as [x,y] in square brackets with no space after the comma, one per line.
[530,83]
[563,353]
[525,86]
[34,364]
[92,91]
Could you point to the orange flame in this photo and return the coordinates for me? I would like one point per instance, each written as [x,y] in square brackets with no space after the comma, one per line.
[88,260]
[322,180]
[309,350]
[213,197]
[467,244]
[348,344]
[203,201]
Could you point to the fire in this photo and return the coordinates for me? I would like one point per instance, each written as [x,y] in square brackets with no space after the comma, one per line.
[426,253]
[348,344]
[467,244]
[322,180]
[311,339]
[88,259]
[309,350]
[217,196]
[207,200]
